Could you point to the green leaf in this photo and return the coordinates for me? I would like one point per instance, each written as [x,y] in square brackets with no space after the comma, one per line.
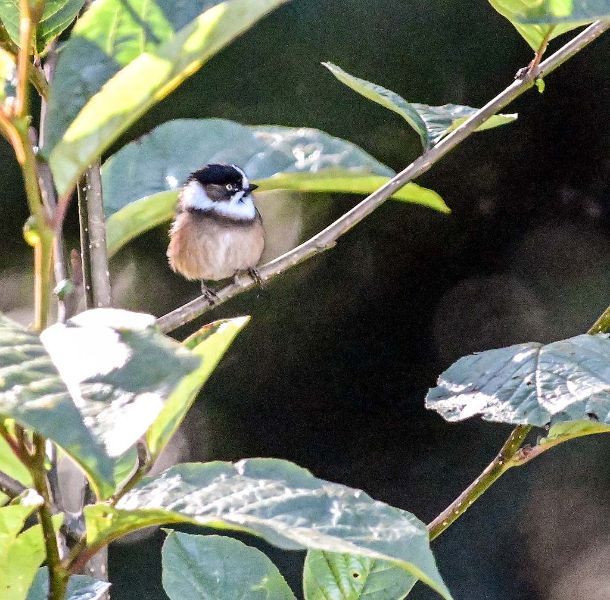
[208,344]
[80,587]
[275,157]
[330,576]
[122,59]
[281,502]
[530,383]
[56,17]
[537,30]
[32,393]
[120,370]
[430,122]
[12,466]
[558,11]
[211,567]
[13,517]
[18,567]
[7,76]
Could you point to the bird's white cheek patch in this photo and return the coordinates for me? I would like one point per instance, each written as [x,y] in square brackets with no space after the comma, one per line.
[194,196]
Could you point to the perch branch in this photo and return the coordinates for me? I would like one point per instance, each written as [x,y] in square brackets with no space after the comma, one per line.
[328,237]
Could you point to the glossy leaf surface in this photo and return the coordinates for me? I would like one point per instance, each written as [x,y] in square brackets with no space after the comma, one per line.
[431,123]
[212,567]
[274,157]
[121,59]
[330,576]
[530,383]
[279,501]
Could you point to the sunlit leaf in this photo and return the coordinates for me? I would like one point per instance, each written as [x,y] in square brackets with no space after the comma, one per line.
[330,576]
[211,567]
[277,500]
[557,11]
[19,565]
[56,17]
[7,76]
[530,383]
[274,157]
[80,587]
[12,466]
[32,393]
[539,29]
[431,123]
[121,59]
[208,344]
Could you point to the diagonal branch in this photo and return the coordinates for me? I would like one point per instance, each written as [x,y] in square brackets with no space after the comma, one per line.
[328,237]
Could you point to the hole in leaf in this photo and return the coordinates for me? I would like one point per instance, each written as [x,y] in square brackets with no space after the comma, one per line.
[593,416]
[355,575]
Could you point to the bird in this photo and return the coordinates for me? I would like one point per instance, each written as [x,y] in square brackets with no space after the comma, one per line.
[217,232]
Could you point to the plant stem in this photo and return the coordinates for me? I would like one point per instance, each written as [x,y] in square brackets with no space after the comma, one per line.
[328,237]
[93,239]
[496,468]
[58,576]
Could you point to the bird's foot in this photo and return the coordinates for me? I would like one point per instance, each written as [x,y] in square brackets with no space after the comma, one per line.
[251,272]
[208,293]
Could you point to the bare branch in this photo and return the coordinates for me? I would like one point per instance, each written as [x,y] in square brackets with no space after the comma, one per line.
[327,238]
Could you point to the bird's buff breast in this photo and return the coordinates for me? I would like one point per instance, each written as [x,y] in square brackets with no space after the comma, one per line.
[202,248]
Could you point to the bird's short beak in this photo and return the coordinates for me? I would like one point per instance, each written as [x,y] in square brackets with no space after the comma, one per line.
[251,188]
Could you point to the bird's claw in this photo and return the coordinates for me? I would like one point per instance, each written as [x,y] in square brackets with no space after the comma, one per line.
[208,293]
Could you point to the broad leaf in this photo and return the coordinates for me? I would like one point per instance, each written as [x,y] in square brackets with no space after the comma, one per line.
[432,123]
[80,587]
[120,370]
[281,502]
[531,383]
[274,157]
[558,11]
[56,17]
[12,466]
[13,517]
[32,393]
[19,565]
[540,29]
[121,59]
[208,344]
[330,576]
[211,567]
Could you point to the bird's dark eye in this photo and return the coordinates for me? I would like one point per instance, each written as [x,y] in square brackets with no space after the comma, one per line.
[229,187]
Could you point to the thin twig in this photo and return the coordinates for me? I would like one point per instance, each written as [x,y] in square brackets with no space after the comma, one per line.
[11,487]
[479,486]
[58,576]
[327,238]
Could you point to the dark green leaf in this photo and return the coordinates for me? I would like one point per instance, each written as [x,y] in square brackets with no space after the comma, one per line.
[330,576]
[123,58]
[211,567]
[57,16]
[209,345]
[536,32]
[80,587]
[430,122]
[32,393]
[275,157]
[529,383]
[277,500]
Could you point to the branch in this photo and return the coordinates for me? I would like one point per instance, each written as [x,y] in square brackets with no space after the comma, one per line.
[327,238]
[11,487]
[93,239]
[496,468]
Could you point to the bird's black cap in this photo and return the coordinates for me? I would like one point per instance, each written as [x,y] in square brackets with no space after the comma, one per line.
[219,174]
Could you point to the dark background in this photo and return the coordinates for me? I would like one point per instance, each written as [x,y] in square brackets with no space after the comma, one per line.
[333,369]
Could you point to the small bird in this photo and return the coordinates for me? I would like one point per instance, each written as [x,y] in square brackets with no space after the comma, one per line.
[217,232]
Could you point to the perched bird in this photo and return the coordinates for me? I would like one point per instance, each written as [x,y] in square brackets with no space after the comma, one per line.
[217,231]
